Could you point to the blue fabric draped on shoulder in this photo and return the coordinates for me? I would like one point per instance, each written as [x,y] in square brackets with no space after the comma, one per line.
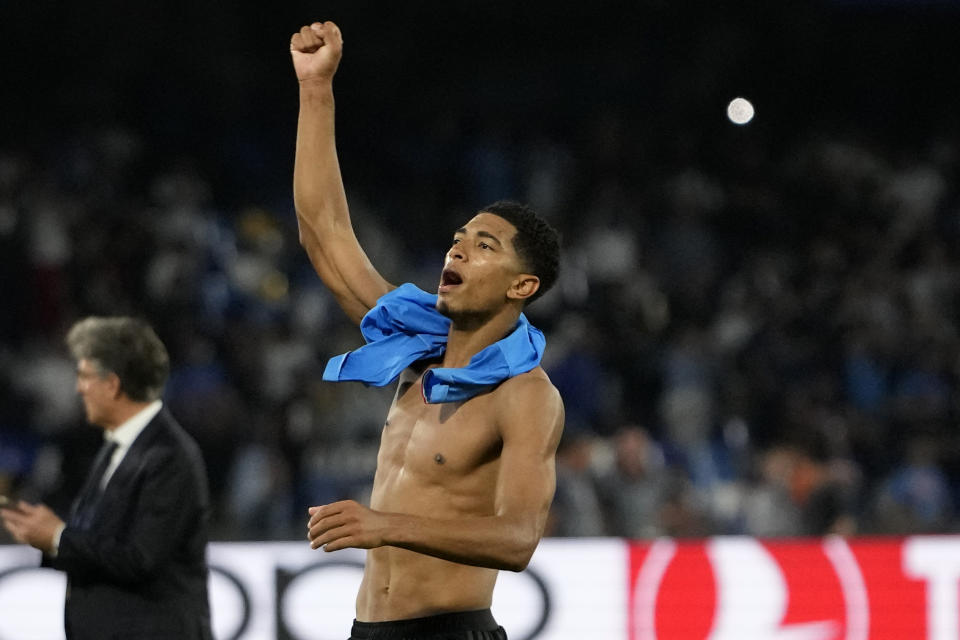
[405,327]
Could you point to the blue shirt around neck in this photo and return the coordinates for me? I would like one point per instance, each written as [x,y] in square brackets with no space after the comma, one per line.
[405,327]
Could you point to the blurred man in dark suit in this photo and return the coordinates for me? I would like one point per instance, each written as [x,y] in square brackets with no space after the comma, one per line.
[134,544]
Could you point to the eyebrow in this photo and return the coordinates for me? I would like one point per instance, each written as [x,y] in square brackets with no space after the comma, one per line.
[480,234]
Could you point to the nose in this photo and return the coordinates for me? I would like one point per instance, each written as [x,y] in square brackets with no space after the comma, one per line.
[456,252]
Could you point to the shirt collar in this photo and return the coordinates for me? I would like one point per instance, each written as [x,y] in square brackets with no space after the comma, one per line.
[126,433]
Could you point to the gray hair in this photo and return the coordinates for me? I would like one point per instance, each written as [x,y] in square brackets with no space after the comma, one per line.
[127,347]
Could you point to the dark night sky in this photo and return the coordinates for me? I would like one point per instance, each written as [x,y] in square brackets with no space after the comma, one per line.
[203,76]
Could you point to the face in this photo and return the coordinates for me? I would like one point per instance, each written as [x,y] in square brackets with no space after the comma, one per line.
[480,267]
[98,392]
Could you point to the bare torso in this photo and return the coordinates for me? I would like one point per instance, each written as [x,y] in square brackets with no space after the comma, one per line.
[437,460]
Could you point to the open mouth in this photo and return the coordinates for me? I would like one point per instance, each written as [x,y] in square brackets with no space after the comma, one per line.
[449,278]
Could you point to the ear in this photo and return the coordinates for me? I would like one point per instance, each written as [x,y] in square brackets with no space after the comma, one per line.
[524,286]
[113,384]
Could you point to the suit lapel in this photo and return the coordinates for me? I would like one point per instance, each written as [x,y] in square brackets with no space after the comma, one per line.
[126,471]
[85,503]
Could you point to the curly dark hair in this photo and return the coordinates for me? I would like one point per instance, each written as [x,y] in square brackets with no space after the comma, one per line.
[536,242]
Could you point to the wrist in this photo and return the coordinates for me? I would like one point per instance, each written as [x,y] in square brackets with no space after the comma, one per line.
[54,547]
[396,530]
[321,84]
[316,92]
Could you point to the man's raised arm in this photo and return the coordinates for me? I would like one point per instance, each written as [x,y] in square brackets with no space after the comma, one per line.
[321,203]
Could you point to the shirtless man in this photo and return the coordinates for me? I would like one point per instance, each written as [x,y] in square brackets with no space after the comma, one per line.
[462,489]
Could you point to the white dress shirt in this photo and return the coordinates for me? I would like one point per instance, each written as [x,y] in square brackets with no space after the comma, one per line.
[125,434]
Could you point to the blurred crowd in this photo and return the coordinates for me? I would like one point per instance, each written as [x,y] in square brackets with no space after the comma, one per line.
[762,340]
[755,330]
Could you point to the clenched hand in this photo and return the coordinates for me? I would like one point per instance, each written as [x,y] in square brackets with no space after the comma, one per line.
[345,524]
[316,51]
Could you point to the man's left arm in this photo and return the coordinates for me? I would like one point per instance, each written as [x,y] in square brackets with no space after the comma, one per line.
[531,421]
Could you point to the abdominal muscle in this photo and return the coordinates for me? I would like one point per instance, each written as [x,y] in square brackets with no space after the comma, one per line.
[400,584]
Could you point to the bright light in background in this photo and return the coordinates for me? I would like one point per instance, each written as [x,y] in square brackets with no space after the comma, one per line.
[740,111]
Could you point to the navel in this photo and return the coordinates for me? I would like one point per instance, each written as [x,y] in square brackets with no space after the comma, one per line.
[439,459]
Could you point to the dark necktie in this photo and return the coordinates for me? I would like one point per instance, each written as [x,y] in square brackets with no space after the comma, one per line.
[87,499]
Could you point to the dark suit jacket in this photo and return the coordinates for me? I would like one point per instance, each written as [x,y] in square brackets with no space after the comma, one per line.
[140,569]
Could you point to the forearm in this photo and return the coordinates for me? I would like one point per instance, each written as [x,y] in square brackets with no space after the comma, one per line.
[318,191]
[326,231]
[496,542]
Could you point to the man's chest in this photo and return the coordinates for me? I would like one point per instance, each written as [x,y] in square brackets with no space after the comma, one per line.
[438,440]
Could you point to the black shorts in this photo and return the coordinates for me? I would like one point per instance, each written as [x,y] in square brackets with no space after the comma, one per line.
[462,625]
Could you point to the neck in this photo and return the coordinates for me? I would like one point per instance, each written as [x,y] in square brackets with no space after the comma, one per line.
[124,410]
[470,335]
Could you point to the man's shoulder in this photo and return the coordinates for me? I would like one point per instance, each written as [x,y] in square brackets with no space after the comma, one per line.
[528,405]
[536,376]
[532,386]
[165,435]
[165,428]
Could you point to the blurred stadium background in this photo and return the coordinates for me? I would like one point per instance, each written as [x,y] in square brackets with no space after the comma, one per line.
[756,328]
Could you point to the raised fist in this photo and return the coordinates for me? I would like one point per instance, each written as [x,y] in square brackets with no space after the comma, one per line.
[316,51]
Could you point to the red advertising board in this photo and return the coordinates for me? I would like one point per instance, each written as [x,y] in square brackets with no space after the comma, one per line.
[831,589]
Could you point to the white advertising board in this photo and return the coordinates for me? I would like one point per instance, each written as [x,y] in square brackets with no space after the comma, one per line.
[575,589]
